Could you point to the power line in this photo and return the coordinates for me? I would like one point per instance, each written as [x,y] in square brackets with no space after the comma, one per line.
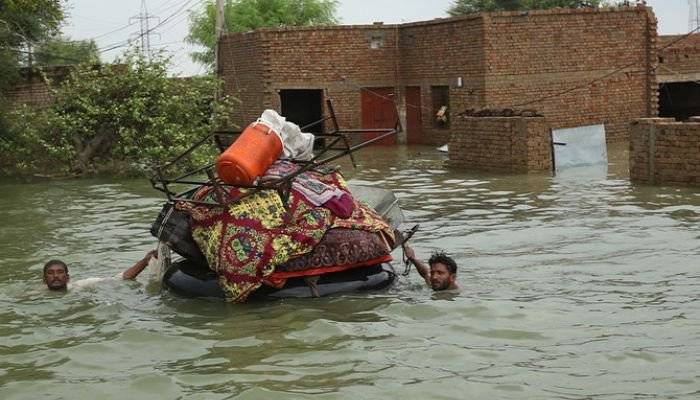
[694,14]
[170,4]
[113,31]
[145,32]
[41,53]
[554,95]
[179,11]
[143,35]
[603,77]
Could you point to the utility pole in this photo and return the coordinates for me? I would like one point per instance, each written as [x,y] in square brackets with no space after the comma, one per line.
[219,32]
[694,15]
[144,29]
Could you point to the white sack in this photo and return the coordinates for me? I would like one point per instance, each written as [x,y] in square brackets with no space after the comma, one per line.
[297,145]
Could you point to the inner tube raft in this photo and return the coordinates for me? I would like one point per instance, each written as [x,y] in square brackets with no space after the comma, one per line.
[189,279]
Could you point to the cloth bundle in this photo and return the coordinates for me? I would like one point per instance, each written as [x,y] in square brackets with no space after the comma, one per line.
[296,145]
[246,240]
[332,197]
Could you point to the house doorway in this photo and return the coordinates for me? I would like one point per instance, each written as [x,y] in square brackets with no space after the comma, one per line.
[679,100]
[303,107]
[378,111]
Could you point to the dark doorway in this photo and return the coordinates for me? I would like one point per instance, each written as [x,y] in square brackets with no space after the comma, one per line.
[303,107]
[414,116]
[679,100]
[379,111]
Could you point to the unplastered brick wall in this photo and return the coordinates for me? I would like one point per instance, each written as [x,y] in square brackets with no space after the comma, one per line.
[242,66]
[679,58]
[663,151]
[33,92]
[576,67]
[35,86]
[508,144]
[438,53]
[340,60]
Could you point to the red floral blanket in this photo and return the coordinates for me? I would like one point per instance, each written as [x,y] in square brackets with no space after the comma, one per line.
[245,241]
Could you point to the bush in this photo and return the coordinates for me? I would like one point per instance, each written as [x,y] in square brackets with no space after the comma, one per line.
[122,118]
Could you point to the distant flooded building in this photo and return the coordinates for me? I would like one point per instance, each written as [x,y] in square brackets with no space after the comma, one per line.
[678,75]
[574,66]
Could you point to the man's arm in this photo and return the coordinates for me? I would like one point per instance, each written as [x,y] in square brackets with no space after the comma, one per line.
[136,269]
[423,269]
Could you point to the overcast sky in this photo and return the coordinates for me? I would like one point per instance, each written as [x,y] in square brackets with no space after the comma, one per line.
[112,23]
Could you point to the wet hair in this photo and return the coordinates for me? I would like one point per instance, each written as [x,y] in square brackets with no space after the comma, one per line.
[442,258]
[55,262]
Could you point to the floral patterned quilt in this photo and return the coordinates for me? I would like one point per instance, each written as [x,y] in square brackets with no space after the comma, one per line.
[244,241]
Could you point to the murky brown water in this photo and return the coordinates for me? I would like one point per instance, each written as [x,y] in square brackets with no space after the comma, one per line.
[581,286]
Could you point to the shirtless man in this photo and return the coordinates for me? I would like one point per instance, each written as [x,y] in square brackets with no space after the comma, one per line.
[441,274]
[56,275]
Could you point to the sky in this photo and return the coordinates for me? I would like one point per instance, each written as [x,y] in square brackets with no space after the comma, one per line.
[113,24]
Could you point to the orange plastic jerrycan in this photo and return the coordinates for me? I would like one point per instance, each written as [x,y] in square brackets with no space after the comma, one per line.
[249,156]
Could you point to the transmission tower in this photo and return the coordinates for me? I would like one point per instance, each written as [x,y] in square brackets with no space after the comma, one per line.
[694,12]
[145,32]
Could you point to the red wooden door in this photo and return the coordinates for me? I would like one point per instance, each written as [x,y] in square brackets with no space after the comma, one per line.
[414,117]
[378,111]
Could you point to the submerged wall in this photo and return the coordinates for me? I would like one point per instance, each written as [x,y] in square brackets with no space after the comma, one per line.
[664,151]
[508,144]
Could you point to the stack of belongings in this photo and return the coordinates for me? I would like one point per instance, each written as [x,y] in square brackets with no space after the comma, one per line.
[257,240]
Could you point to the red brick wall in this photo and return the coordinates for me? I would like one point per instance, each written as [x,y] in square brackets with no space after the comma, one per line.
[33,92]
[514,144]
[243,69]
[436,53]
[679,58]
[665,151]
[533,55]
[504,59]
[33,88]
[339,59]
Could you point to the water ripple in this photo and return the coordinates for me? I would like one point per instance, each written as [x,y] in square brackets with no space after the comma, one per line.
[574,287]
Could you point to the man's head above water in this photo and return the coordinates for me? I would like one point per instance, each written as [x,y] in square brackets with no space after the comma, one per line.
[56,275]
[443,271]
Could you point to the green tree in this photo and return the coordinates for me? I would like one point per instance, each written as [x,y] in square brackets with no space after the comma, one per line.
[126,117]
[23,23]
[460,7]
[63,51]
[245,15]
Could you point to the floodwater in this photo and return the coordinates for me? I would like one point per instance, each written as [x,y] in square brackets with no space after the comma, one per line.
[580,286]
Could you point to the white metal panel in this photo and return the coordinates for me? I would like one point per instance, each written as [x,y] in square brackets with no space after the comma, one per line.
[583,146]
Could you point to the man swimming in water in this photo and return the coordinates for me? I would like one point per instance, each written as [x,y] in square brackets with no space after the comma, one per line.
[56,275]
[441,273]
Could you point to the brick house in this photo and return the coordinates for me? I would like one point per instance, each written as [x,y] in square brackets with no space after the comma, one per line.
[678,75]
[33,89]
[574,66]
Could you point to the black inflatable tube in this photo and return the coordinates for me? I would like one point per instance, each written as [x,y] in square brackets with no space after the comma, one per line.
[188,279]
